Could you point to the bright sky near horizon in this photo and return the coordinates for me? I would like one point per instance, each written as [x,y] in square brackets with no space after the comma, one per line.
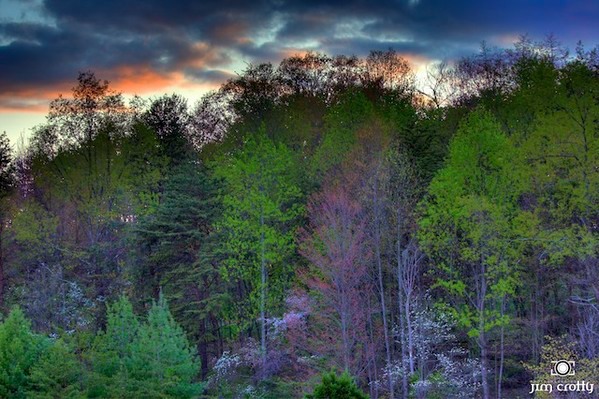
[189,47]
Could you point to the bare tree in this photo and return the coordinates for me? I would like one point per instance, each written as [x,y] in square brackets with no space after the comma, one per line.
[404,194]
[335,245]
[440,84]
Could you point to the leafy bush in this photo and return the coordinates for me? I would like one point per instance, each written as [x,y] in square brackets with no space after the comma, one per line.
[334,387]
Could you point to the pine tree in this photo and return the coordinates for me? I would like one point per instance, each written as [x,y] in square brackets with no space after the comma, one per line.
[57,375]
[162,363]
[111,349]
[152,359]
[19,351]
[176,246]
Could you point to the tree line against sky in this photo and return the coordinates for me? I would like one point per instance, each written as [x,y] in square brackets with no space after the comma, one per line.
[319,214]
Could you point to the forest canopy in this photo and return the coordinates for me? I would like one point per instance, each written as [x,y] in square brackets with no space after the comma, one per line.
[328,227]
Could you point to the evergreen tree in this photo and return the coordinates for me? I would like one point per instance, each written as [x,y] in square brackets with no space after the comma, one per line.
[162,363]
[111,350]
[6,187]
[334,387]
[19,351]
[152,359]
[176,246]
[57,375]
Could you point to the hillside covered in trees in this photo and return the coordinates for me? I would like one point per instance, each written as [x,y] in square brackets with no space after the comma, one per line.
[435,239]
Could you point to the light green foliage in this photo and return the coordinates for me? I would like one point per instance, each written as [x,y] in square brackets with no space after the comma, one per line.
[58,374]
[471,226]
[19,351]
[563,153]
[504,203]
[33,228]
[562,348]
[113,345]
[262,204]
[337,387]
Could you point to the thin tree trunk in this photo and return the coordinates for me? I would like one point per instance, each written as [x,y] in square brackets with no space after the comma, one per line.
[381,287]
[404,376]
[371,355]
[370,379]
[502,350]
[386,329]
[263,293]
[481,330]
[345,332]
[483,366]
[410,334]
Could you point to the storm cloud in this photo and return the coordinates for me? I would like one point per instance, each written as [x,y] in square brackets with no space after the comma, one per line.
[44,44]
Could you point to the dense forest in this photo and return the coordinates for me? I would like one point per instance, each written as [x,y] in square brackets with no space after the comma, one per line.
[328,224]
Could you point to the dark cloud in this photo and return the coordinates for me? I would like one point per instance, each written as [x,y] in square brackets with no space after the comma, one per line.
[211,76]
[202,40]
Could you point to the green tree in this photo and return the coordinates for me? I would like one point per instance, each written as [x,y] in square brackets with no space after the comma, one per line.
[472,229]
[162,363]
[177,250]
[562,150]
[88,218]
[58,374]
[168,117]
[337,387]
[20,349]
[261,208]
[111,350]
[152,359]
[341,124]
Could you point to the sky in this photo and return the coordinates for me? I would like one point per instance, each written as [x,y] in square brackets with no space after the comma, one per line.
[151,47]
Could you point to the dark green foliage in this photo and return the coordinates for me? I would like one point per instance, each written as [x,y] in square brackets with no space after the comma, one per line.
[342,122]
[171,238]
[169,119]
[176,252]
[151,359]
[7,182]
[58,374]
[20,350]
[6,166]
[161,362]
[337,387]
